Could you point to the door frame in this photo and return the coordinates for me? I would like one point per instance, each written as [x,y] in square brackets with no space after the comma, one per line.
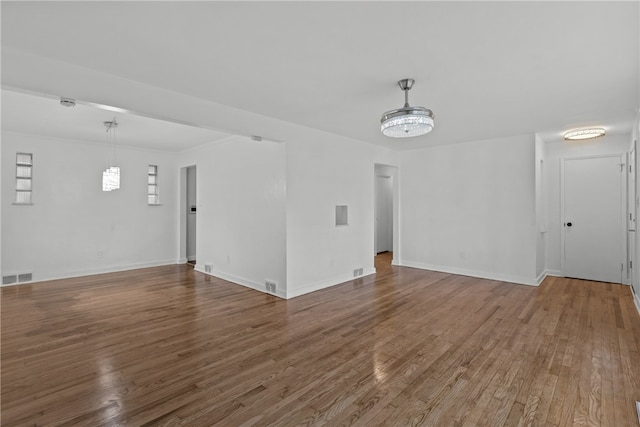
[623,211]
[375,235]
[381,169]
[182,215]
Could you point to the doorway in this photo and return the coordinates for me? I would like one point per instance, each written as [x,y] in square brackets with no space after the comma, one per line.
[593,218]
[385,214]
[188,214]
[191,209]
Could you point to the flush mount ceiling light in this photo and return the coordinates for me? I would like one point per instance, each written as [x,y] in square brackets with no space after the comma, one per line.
[579,134]
[67,102]
[406,121]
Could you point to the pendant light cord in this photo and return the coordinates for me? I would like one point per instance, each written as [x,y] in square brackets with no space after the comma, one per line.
[111,139]
[114,141]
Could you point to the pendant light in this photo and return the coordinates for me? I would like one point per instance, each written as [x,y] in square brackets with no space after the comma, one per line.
[406,121]
[111,176]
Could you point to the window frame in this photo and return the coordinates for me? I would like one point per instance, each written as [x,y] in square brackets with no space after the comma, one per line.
[22,177]
[153,178]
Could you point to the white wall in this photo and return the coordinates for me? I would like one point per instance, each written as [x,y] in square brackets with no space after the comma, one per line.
[635,279]
[267,210]
[73,227]
[1,193]
[325,170]
[241,221]
[554,152]
[541,204]
[469,208]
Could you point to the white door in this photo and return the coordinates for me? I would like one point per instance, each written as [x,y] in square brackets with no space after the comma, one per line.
[384,214]
[594,222]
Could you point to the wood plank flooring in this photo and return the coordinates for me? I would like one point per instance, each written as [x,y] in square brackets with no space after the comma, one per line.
[168,346]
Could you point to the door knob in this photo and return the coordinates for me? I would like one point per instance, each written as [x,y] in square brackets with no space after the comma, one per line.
[569,224]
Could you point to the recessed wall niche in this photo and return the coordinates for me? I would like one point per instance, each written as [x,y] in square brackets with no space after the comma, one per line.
[342,215]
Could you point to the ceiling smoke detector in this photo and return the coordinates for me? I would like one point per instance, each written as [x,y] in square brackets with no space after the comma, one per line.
[67,102]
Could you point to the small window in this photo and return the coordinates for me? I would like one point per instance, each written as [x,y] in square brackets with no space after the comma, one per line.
[24,175]
[153,195]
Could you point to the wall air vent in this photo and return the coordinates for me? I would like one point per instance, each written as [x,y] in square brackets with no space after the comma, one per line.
[26,277]
[271,286]
[8,280]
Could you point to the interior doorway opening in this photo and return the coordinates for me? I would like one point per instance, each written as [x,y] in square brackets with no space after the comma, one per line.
[188,214]
[191,214]
[386,214]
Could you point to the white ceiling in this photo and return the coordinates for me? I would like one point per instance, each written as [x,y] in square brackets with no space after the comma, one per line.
[486,69]
[39,115]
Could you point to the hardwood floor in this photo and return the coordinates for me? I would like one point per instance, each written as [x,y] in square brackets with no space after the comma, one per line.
[170,346]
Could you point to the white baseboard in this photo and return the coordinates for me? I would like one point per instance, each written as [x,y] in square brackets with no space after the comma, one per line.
[326,283]
[240,281]
[521,280]
[546,273]
[636,299]
[554,273]
[37,277]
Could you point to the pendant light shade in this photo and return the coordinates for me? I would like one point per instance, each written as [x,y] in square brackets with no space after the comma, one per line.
[406,121]
[111,178]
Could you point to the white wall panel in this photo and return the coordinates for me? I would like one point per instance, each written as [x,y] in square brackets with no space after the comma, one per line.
[469,208]
[73,227]
[241,221]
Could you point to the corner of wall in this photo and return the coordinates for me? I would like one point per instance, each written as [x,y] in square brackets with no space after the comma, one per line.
[326,283]
[240,281]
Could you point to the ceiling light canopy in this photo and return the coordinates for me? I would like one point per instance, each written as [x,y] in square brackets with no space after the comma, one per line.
[67,102]
[579,134]
[406,121]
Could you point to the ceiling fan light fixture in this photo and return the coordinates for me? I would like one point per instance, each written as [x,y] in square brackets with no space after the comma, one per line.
[407,121]
[580,134]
